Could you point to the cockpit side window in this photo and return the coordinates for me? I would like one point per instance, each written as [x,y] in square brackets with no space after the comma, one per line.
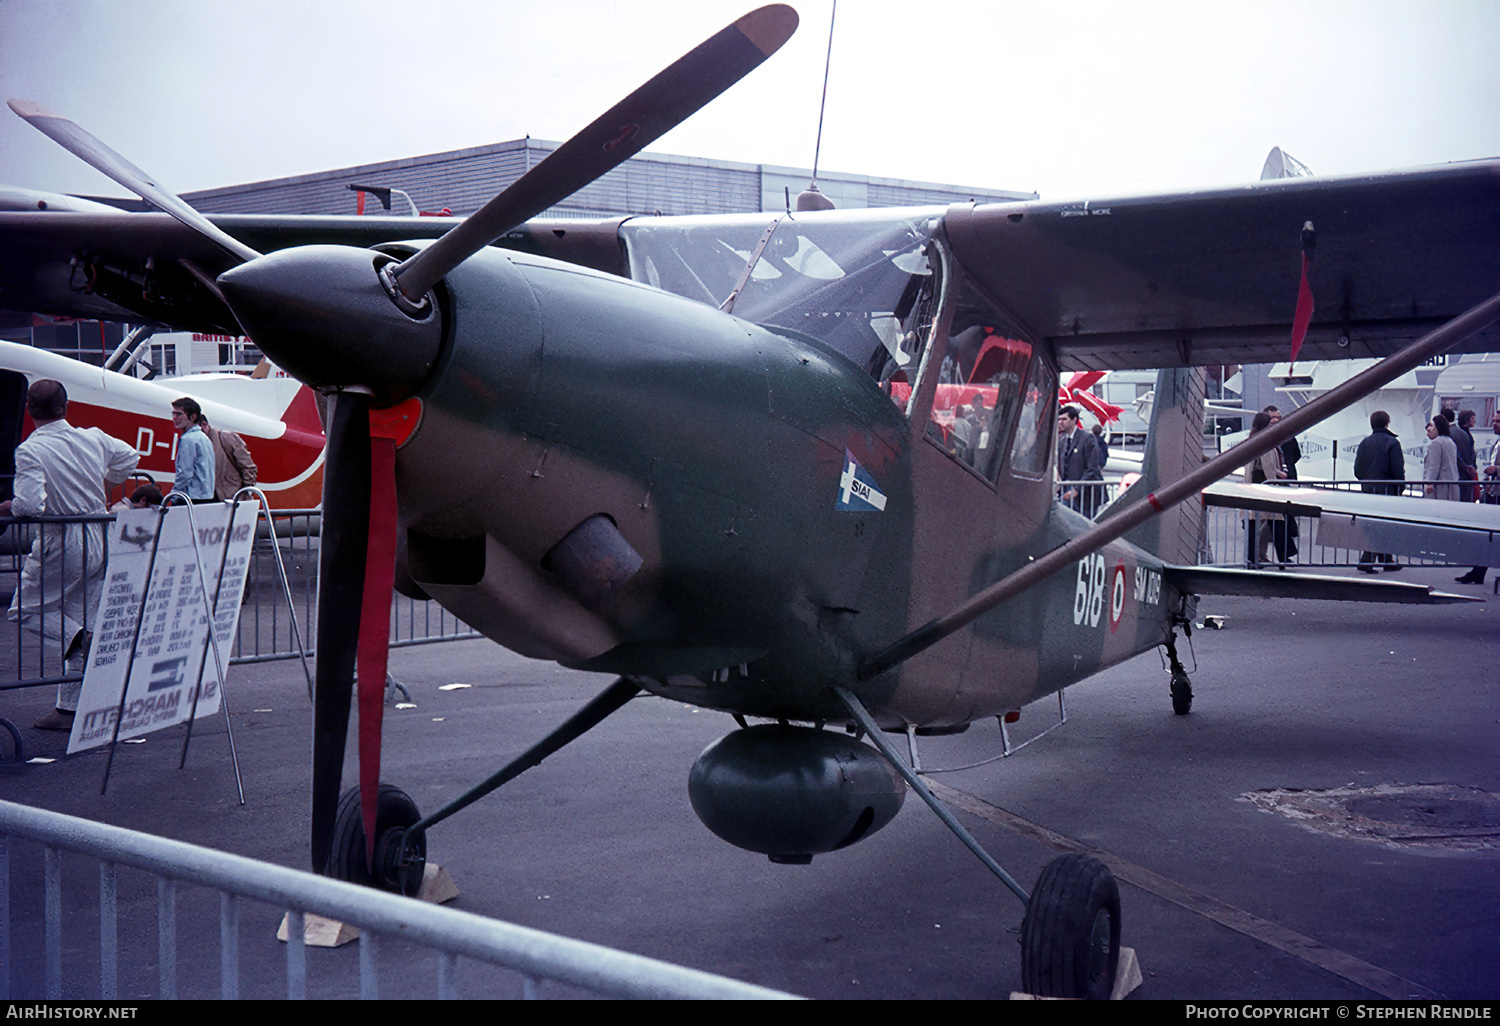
[1033,454]
[981,384]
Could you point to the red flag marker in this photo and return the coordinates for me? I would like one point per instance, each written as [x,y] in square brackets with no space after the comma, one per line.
[1303,317]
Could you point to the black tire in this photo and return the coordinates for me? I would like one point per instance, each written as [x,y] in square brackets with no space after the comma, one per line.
[1070,939]
[394,813]
[18,749]
[1182,695]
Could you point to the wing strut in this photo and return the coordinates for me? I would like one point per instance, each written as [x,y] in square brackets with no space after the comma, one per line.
[1356,388]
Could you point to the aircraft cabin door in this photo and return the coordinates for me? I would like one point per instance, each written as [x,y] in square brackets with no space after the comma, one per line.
[983,425]
[12,420]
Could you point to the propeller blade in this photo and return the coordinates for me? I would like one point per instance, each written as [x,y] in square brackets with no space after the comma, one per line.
[375,629]
[343,544]
[101,158]
[619,134]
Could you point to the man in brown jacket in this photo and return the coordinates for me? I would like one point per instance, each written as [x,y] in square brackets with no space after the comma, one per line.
[233,467]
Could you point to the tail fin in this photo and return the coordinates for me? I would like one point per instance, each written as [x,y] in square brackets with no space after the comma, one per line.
[304,413]
[1174,445]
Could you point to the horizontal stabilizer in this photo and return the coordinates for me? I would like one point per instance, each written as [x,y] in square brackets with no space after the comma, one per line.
[1219,580]
[1443,543]
[1461,533]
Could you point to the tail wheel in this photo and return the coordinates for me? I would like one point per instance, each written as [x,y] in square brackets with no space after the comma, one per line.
[1070,940]
[398,864]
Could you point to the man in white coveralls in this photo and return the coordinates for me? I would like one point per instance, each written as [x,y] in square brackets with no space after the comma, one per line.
[63,470]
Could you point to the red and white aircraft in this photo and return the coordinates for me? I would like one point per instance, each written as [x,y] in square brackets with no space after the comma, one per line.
[276,415]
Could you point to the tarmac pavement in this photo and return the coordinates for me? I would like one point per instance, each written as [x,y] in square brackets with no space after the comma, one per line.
[1223,896]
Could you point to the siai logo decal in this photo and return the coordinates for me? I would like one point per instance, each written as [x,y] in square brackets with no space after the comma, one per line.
[858,492]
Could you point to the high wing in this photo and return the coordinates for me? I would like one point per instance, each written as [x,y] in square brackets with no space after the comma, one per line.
[1211,277]
[1141,282]
[1461,533]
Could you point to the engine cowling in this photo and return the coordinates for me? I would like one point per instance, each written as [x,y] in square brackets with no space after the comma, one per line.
[793,792]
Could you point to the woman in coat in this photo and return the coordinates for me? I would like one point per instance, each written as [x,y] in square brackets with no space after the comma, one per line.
[1440,465]
[1260,527]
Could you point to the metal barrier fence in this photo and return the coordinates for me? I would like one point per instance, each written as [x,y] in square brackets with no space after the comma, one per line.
[449,933]
[1087,497]
[75,549]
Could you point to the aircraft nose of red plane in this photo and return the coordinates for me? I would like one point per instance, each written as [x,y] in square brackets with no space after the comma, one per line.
[321,314]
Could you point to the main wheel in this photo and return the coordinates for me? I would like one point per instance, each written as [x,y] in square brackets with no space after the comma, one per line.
[1070,939]
[398,863]
[1182,694]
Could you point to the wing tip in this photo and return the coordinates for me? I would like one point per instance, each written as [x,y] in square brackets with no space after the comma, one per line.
[1443,598]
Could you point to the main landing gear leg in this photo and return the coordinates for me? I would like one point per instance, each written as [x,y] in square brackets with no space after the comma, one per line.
[1070,938]
[1182,688]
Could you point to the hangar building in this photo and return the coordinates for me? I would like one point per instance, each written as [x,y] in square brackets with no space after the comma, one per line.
[649,183]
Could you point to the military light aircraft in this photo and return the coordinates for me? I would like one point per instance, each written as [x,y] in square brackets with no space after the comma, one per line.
[705,453]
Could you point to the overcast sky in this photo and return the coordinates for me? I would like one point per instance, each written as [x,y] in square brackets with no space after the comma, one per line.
[1064,98]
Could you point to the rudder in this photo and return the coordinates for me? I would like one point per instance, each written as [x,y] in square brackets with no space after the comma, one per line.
[1174,445]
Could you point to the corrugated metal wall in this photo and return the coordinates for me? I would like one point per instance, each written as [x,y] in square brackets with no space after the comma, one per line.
[463,180]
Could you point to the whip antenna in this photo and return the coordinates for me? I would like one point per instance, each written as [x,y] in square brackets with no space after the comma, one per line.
[812,199]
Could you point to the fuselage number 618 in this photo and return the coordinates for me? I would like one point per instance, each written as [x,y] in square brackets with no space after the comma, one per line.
[1088,598]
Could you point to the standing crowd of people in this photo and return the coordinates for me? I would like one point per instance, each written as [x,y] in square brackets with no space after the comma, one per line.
[1451,471]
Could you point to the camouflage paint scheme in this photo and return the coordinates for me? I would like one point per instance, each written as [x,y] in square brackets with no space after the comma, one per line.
[559,395]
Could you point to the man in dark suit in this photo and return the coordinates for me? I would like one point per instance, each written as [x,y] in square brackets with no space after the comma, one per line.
[1378,461]
[1462,433]
[1078,461]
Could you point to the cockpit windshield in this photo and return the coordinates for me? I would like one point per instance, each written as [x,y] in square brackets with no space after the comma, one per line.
[860,282]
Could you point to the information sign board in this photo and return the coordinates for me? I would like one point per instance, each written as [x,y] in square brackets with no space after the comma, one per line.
[151,639]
